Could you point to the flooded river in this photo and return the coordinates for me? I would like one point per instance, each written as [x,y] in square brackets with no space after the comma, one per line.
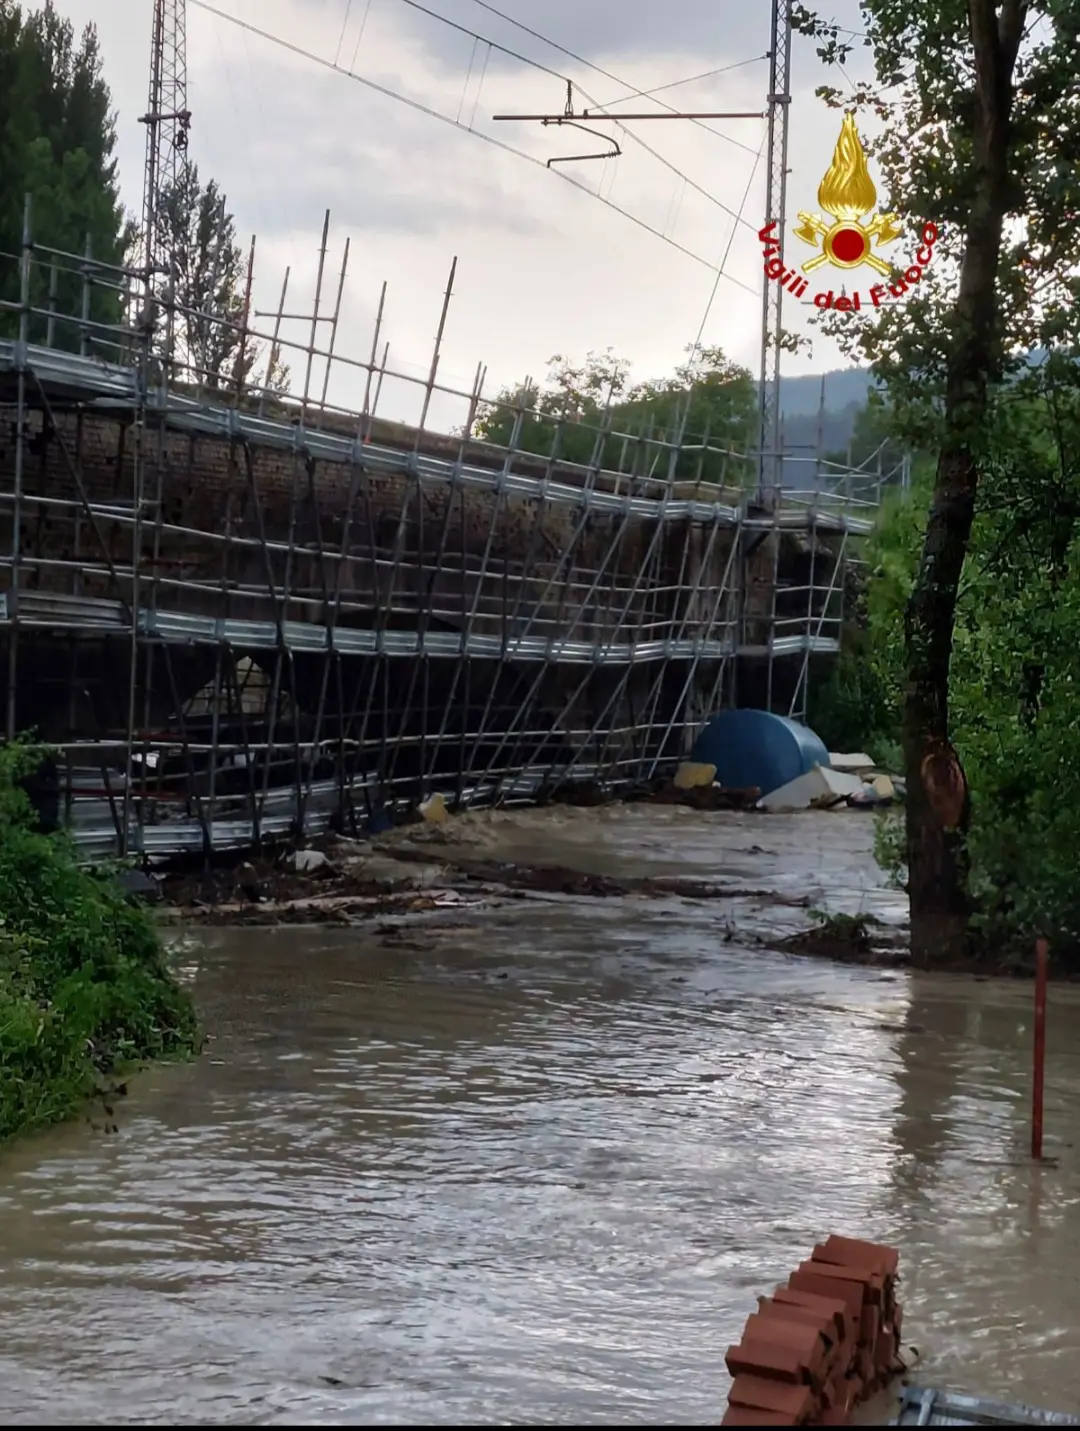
[533,1162]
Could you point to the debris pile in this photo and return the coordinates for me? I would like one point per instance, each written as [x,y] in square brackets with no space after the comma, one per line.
[826,787]
[822,1344]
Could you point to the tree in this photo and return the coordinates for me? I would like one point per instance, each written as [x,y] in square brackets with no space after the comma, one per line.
[982,102]
[711,403]
[205,287]
[57,139]
[873,445]
[207,290]
[1012,700]
[566,418]
[587,413]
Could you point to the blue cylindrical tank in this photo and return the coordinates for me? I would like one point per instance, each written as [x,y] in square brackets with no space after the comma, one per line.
[751,747]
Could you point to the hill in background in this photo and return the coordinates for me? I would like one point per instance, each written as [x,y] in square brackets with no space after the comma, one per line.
[799,397]
[810,429]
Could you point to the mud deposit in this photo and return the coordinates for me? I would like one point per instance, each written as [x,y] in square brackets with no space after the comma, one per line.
[772,876]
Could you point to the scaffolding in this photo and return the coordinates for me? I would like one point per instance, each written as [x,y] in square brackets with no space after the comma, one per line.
[241,615]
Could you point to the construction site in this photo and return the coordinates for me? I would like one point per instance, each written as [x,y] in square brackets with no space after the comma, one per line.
[240,615]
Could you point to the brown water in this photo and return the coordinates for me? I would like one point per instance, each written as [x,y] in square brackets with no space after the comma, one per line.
[538,1168]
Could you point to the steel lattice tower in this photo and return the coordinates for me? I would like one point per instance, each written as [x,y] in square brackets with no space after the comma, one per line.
[770,457]
[167,120]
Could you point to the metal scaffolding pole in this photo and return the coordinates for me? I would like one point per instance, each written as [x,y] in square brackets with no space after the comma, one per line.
[530,602]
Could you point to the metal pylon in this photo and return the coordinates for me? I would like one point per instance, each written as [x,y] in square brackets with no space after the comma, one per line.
[770,457]
[167,121]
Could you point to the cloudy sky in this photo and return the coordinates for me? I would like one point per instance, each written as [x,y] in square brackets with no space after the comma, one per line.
[543,266]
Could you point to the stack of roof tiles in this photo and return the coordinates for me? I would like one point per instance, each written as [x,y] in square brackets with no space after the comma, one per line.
[821,1345]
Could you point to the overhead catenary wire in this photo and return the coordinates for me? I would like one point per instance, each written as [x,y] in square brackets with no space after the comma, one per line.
[688,79]
[565,79]
[671,110]
[344,25]
[641,585]
[425,109]
[695,351]
[600,70]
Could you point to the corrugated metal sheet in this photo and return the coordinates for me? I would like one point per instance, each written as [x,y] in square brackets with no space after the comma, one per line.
[58,612]
[924,1407]
[93,826]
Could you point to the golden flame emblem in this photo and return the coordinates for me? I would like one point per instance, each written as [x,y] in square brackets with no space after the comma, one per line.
[846,194]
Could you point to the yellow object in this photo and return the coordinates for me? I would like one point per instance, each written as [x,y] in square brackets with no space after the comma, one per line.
[846,193]
[692,774]
[847,190]
[434,810]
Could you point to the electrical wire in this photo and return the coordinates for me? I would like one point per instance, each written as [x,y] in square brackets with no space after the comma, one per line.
[695,351]
[565,79]
[341,37]
[690,79]
[599,69]
[474,35]
[360,36]
[384,90]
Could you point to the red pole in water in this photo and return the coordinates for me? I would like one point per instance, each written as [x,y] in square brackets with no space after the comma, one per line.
[1040,1050]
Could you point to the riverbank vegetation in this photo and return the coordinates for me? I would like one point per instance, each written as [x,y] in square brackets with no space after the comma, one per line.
[973,608]
[1014,683]
[591,414]
[85,992]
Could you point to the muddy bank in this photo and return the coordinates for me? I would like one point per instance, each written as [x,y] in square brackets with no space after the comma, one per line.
[803,883]
[774,880]
[848,939]
[349,884]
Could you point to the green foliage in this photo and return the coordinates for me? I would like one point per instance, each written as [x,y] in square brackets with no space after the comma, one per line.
[851,710]
[873,442]
[980,136]
[57,139]
[924,93]
[84,988]
[890,845]
[209,283]
[857,707]
[587,414]
[1014,680]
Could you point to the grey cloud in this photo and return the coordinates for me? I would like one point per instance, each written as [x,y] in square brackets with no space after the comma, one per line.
[598,30]
[607,29]
[378,166]
[707,32]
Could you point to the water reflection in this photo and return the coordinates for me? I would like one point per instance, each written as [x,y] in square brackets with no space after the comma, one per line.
[538,1167]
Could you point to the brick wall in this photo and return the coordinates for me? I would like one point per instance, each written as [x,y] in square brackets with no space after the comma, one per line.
[205,488]
[408,549]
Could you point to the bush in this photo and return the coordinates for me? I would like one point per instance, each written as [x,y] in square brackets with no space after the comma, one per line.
[84,988]
[851,710]
[857,707]
[1013,683]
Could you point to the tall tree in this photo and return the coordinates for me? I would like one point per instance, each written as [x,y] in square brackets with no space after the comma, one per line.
[982,104]
[709,403]
[208,291]
[57,141]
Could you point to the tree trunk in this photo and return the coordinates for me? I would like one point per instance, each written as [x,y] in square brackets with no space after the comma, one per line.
[937,807]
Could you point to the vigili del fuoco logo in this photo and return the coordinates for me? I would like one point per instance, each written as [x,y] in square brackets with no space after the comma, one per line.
[843,240]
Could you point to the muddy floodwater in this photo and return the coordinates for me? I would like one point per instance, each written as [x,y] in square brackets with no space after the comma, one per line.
[534,1160]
